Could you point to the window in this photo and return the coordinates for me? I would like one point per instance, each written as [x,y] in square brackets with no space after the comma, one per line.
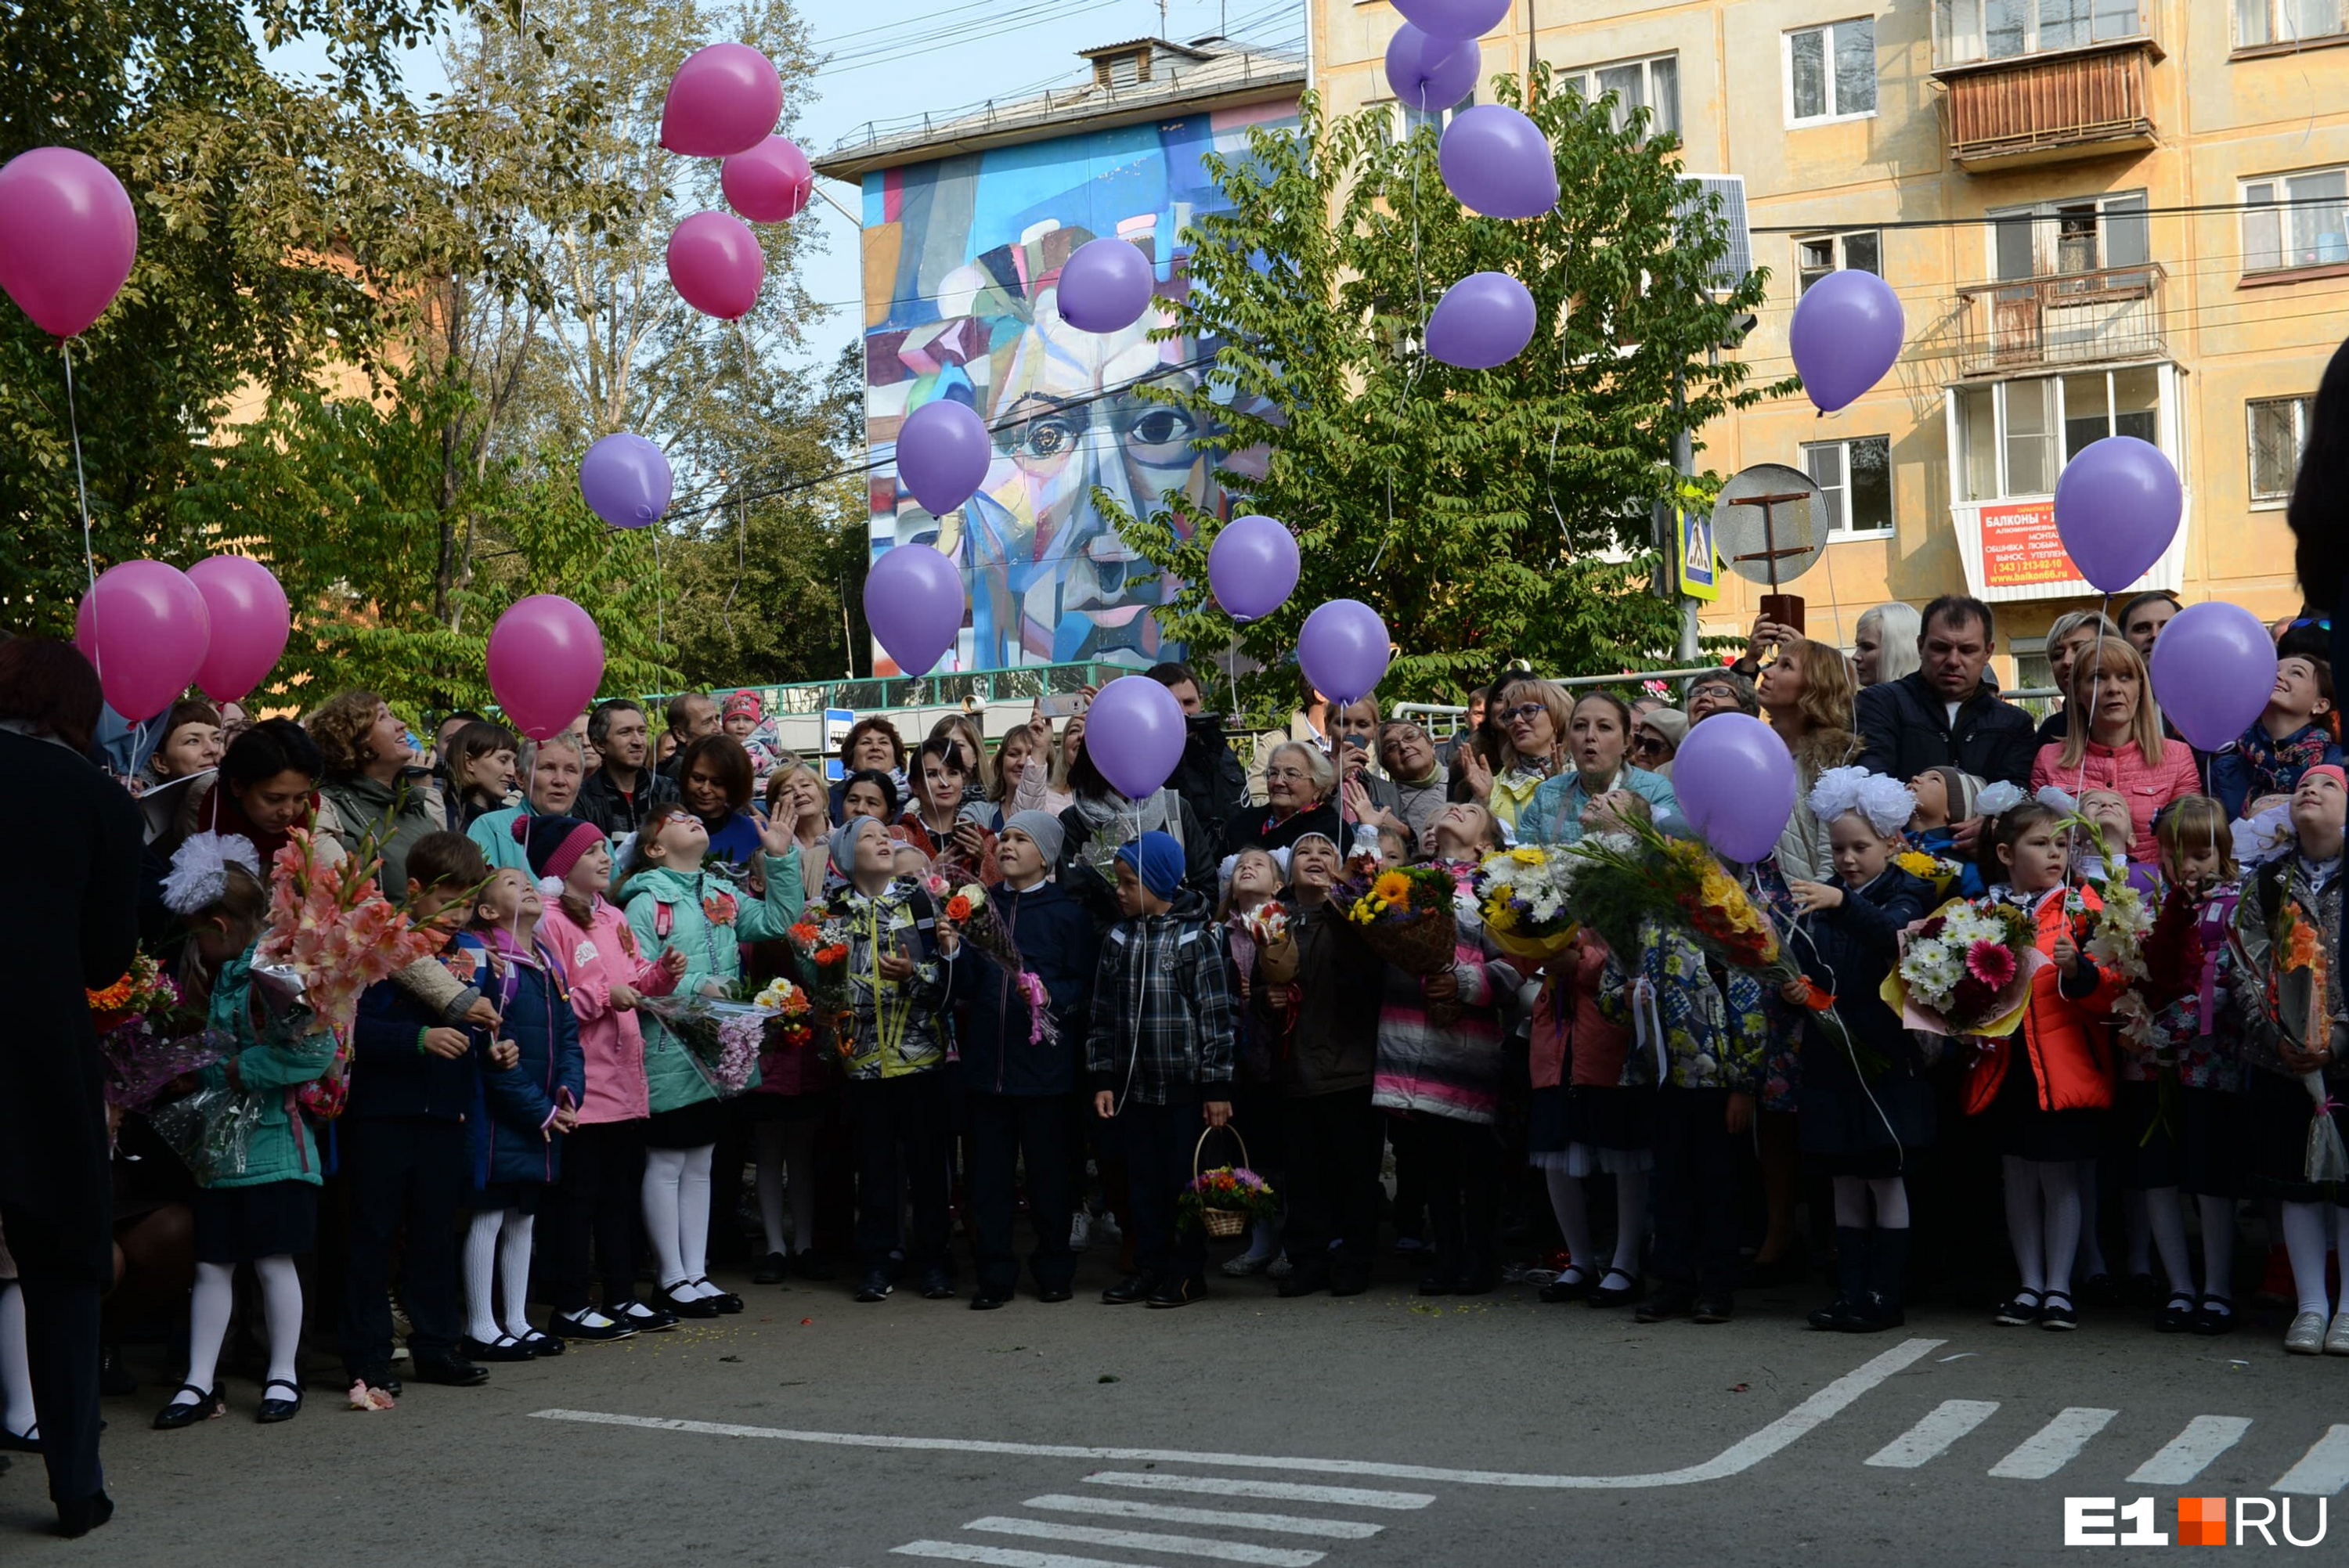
[2279,430]
[1966,31]
[2296,221]
[2008,433]
[1860,251]
[1124,70]
[2054,238]
[1831,72]
[1856,475]
[2259,22]
[1653,85]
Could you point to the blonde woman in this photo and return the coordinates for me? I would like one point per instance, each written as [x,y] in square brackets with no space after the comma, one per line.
[1807,695]
[1532,717]
[2115,742]
[977,768]
[1884,643]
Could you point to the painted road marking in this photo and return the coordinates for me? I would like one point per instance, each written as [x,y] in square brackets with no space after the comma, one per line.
[1000,1556]
[2052,1446]
[1929,1438]
[1276,1490]
[1735,1459]
[1150,1541]
[1275,1523]
[2189,1453]
[2322,1471]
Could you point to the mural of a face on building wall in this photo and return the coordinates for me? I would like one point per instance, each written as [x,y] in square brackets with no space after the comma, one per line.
[1049,578]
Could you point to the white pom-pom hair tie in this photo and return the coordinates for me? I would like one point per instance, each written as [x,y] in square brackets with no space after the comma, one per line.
[1885,804]
[550,887]
[199,873]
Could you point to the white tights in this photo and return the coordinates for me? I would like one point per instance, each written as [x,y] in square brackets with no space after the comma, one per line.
[1853,1195]
[16,1365]
[498,1243]
[2043,1218]
[2308,1232]
[787,1144]
[1566,1202]
[216,1298]
[677,1215]
[2217,1246]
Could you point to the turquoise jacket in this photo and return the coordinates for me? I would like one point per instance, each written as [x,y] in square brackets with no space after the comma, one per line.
[281,1148]
[494,830]
[666,909]
[1554,816]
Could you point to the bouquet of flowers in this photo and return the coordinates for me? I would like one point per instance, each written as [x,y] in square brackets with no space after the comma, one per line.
[822,947]
[1404,916]
[790,1022]
[148,1039]
[1938,869]
[2297,989]
[1522,895]
[1966,969]
[2116,939]
[968,908]
[1226,1199]
[143,991]
[1275,950]
[211,1130]
[721,1038]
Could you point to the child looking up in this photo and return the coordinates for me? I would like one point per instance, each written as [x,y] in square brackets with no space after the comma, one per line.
[1945,798]
[2289,738]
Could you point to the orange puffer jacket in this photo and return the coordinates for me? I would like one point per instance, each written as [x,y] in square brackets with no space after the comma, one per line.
[2071,1048]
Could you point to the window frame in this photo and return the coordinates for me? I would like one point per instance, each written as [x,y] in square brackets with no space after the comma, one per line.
[2304,408]
[2275,209]
[1576,78]
[2045,227]
[1970,45]
[2285,36]
[1835,114]
[1839,240]
[1840,527]
[2056,434]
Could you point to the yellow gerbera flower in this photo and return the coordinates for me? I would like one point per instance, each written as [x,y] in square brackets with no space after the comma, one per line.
[1392,887]
[1525,855]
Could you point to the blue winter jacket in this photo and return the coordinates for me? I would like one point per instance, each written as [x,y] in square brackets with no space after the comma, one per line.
[516,1141]
[392,1076]
[1059,944]
[1847,951]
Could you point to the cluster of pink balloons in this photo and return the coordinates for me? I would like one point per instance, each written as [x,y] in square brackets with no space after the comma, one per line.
[67,237]
[152,631]
[723,103]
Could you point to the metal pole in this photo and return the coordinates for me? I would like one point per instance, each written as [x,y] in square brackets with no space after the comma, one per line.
[1668,530]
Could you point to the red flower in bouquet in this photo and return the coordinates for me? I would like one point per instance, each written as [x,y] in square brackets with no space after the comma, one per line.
[1990,964]
[957,909]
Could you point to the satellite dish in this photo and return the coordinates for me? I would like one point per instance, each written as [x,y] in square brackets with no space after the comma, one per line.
[1770,523]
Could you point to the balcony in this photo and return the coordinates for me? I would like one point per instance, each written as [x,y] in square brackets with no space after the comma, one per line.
[2085,102]
[2019,324]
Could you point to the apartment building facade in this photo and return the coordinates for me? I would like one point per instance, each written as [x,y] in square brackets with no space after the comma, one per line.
[2101,216]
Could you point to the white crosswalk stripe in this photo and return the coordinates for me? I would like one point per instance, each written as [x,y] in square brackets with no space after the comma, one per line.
[2189,1453]
[1929,1438]
[998,1556]
[1277,1523]
[2052,1446]
[2322,1471]
[1245,1486]
[1150,1541]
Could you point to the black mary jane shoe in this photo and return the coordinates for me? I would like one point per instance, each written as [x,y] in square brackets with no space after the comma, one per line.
[673,1300]
[2057,1314]
[726,1300]
[504,1347]
[28,1441]
[2214,1317]
[1562,1289]
[2019,1310]
[2177,1313]
[273,1411]
[202,1407]
[539,1344]
[1609,1293]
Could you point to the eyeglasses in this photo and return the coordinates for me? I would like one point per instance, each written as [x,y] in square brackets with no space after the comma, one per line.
[1395,732]
[1648,743]
[1717,693]
[1526,712]
[2322,623]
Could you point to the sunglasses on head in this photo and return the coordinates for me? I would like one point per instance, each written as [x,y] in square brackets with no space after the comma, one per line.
[2322,623]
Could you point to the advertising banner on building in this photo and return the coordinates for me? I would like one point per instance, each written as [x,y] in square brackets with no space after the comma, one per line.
[2021,548]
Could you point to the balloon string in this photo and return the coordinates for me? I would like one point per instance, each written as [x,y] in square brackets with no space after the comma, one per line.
[660,598]
[81,486]
[2088,736]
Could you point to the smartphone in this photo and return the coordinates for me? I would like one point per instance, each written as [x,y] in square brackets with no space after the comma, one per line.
[1062,703]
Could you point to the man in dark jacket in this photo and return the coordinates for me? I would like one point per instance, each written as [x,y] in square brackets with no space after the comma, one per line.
[1947,714]
[73,926]
[620,794]
[1209,778]
[1017,1087]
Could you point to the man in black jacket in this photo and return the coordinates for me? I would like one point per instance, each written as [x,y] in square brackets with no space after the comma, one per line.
[618,796]
[1946,714]
[1209,778]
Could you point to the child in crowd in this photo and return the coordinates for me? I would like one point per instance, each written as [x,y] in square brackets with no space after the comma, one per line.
[1446,1076]
[1250,880]
[596,1202]
[533,1100]
[2291,736]
[262,1208]
[1865,1123]
[2101,855]
[2296,1052]
[402,1140]
[1017,1083]
[900,1094]
[1160,1053]
[481,765]
[674,905]
[2050,1084]
[1945,796]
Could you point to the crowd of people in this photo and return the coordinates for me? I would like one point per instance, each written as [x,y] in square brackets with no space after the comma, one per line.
[1685,1119]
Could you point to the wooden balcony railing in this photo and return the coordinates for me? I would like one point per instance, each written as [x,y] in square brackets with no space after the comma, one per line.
[2068,318]
[2083,103]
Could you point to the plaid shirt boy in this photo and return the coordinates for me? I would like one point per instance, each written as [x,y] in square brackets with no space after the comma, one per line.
[1164,1007]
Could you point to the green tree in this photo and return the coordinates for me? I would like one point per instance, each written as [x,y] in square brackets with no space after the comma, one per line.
[1485,514]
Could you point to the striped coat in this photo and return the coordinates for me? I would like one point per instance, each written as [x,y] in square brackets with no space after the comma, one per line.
[1454,1069]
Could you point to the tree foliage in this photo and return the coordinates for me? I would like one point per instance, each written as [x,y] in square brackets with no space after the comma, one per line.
[1486,515]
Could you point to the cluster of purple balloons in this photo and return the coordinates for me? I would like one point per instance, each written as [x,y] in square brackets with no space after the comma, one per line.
[152,631]
[723,103]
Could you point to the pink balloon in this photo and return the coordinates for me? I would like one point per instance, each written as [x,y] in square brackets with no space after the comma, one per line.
[716,263]
[250,622]
[723,101]
[70,237]
[545,660]
[770,183]
[145,626]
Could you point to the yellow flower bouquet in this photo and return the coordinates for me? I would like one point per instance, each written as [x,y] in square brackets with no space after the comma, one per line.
[1404,916]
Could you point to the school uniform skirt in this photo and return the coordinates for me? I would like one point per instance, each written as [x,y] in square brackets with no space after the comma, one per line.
[2047,1137]
[2276,1114]
[240,1224]
[1607,1131]
[2212,1149]
[1871,1130]
[2148,1141]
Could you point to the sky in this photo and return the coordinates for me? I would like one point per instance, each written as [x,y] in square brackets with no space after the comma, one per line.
[891,60]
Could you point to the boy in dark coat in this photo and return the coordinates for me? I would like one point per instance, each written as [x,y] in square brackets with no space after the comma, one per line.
[1017,1087]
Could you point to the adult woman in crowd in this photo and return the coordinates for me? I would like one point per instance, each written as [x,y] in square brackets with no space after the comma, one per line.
[1531,717]
[713,780]
[369,785]
[1884,643]
[2121,746]
[795,794]
[2073,632]
[72,926]
[1421,790]
[1657,740]
[553,770]
[1099,821]
[1720,691]
[977,775]
[264,788]
[1807,695]
[1598,744]
[192,742]
[873,745]
[1029,746]
[1301,784]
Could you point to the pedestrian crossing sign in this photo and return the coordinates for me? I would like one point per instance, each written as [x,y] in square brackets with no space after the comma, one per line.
[1700,568]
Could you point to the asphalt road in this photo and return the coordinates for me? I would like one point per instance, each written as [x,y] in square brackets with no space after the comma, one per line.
[1384,1429]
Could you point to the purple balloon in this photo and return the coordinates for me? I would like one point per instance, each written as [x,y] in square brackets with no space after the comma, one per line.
[1252,566]
[1497,162]
[914,602]
[1483,320]
[1454,18]
[1735,780]
[1430,73]
[625,481]
[1133,733]
[1343,650]
[1105,286]
[942,451]
[2214,670]
[1845,334]
[2117,510]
